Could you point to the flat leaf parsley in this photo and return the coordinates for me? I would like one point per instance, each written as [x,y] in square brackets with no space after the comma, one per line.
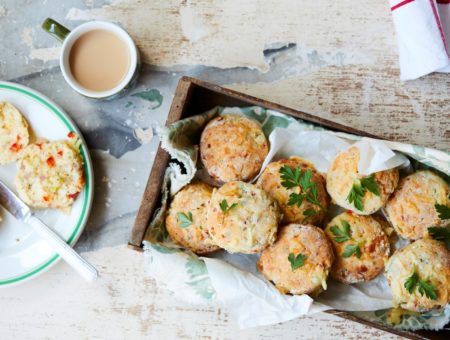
[185,220]
[352,249]
[345,234]
[440,234]
[356,194]
[296,261]
[295,177]
[443,211]
[341,235]
[424,287]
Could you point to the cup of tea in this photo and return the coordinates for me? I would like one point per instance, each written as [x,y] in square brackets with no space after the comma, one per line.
[98,60]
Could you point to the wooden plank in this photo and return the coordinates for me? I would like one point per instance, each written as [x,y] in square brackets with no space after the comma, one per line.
[152,191]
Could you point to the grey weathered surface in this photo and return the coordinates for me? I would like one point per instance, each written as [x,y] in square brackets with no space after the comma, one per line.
[334,59]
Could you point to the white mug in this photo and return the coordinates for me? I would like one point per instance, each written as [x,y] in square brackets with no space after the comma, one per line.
[68,38]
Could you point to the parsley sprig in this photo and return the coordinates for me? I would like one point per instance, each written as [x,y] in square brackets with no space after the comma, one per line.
[296,261]
[440,234]
[292,178]
[352,249]
[342,235]
[345,234]
[425,287]
[225,208]
[443,211]
[184,219]
[358,190]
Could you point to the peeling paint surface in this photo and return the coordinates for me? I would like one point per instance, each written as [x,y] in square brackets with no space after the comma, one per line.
[337,60]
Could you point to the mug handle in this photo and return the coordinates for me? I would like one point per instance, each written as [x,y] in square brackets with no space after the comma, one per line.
[55,29]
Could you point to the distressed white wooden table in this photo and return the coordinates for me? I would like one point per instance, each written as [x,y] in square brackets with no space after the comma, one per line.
[334,59]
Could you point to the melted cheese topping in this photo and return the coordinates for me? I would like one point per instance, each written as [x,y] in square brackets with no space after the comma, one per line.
[193,198]
[411,209]
[366,232]
[233,148]
[250,225]
[430,259]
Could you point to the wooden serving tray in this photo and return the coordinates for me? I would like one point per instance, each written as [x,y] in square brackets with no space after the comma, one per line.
[194,96]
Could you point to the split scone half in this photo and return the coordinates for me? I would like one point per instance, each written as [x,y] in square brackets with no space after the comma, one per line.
[50,175]
[14,135]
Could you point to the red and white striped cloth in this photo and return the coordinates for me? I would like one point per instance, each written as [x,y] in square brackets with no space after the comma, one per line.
[423,34]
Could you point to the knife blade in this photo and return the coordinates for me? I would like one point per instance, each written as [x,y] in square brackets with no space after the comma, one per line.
[13,204]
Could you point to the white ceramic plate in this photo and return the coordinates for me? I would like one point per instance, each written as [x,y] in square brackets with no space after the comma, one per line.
[23,255]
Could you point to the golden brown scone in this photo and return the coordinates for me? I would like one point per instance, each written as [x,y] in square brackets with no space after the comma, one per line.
[343,175]
[425,262]
[50,175]
[233,148]
[281,263]
[360,245]
[271,181]
[242,218]
[186,220]
[14,134]
[411,209]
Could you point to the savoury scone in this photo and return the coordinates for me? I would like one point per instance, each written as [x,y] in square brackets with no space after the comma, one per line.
[233,148]
[299,261]
[14,135]
[186,219]
[419,275]
[298,188]
[242,218]
[415,205]
[353,191]
[360,245]
[50,175]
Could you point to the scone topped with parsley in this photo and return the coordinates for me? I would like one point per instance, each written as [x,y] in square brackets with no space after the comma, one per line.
[419,275]
[354,191]
[421,201]
[50,175]
[298,188]
[299,261]
[14,134]
[361,247]
[186,220]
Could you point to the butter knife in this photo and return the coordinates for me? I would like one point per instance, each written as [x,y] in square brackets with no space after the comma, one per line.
[22,212]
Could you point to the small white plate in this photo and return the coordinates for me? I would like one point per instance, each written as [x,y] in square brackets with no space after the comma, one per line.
[23,255]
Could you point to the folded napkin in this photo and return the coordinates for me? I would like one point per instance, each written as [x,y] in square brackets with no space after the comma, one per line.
[423,29]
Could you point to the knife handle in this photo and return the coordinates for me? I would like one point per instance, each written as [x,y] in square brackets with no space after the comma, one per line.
[63,249]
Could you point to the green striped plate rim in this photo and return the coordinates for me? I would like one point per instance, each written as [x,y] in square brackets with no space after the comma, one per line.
[87,198]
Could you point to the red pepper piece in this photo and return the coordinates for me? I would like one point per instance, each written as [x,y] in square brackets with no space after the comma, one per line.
[73,196]
[15,147]
[51,162]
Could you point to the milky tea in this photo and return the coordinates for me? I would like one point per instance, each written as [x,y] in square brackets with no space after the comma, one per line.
[99,60]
